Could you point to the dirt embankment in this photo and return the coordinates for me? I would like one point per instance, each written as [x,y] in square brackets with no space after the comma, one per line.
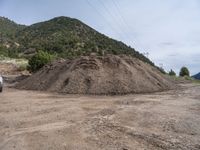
[98,75]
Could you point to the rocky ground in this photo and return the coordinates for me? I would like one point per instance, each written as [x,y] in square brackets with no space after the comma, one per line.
[37,120]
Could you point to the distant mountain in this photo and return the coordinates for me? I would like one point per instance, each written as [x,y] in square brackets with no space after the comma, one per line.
[197,76]
[64,36]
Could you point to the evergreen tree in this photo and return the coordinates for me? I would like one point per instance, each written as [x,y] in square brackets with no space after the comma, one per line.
[184,72]
[172,73]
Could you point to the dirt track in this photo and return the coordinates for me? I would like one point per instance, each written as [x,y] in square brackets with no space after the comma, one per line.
[34,120]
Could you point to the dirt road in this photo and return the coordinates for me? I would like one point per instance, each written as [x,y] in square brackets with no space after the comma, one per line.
[40,121]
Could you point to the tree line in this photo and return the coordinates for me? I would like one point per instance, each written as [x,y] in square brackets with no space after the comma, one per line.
[184,71]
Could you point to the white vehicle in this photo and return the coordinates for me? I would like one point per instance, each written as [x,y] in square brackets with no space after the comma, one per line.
[1,83]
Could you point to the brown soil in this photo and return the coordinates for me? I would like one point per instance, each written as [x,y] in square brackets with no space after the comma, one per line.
[12,74]
[98,75]
[8,68]
[45,121]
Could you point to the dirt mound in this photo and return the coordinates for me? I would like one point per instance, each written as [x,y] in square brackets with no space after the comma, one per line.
[98,75]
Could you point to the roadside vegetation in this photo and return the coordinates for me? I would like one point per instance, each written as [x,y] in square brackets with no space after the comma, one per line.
[172,73]
[184,74]
[187,78]
[39,60]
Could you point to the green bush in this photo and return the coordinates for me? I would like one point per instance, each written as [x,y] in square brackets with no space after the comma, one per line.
[39,60]
[184,72]
[172,73]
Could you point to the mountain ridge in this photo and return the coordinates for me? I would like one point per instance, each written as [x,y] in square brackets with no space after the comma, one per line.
[197,76]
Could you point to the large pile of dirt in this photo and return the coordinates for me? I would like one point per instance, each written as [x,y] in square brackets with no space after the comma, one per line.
[98,75]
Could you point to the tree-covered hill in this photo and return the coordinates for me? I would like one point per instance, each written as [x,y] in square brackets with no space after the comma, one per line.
[70,37]
[66,37]
[9,28]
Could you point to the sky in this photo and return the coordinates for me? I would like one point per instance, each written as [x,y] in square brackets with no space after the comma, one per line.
[167,31]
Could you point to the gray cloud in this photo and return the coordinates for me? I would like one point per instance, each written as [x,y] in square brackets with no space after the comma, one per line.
[167,44]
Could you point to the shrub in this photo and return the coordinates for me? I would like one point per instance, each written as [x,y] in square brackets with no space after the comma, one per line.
[172,73]
[22,67]
[184,72]
[39,60]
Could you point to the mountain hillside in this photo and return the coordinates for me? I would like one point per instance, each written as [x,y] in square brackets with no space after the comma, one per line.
[8,28]
[197,76]
[63,36]
[70,37]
